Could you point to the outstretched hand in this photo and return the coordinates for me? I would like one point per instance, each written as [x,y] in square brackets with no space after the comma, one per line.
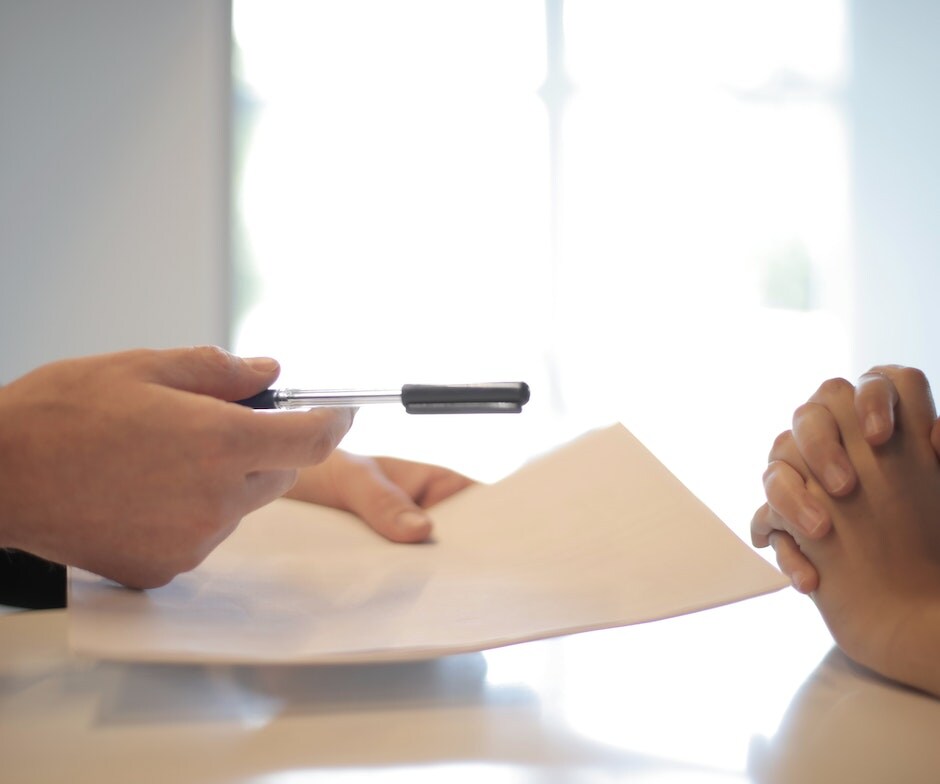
[389,494]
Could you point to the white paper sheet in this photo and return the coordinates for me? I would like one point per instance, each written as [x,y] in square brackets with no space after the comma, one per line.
[594,535]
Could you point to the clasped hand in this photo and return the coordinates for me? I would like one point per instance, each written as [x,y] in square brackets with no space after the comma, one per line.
[853,514]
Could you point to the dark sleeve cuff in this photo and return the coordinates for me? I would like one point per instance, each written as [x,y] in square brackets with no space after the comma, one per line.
[30,582]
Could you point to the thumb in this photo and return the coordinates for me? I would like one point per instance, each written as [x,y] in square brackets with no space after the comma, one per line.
[383,505]
[209,370]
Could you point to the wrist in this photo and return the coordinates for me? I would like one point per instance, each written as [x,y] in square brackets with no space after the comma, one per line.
[915,649]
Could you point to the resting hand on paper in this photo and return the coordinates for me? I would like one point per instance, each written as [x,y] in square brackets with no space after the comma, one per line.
[790,508]
[389,494]
[132,466]
[878,564]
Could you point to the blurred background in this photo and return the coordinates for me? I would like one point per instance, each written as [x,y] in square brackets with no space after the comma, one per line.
[678,215]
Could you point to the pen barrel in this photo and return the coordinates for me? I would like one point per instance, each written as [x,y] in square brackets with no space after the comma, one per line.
[506,397]
[290,399]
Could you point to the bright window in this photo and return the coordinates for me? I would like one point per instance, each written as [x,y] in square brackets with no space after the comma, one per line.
[639,208]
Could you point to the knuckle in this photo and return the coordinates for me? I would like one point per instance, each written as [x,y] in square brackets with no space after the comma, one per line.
[884,370]
[217,358]
[769,474]
[911,377]
[804,411]
[780,445]
[776,489]
[835,387]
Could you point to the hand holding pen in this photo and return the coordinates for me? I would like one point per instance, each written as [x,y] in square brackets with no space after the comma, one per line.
[135,466]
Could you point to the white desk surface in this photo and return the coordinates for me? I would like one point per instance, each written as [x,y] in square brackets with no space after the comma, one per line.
[749,692]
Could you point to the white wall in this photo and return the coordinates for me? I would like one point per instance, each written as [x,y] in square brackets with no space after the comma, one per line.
[894,106]
[114,132]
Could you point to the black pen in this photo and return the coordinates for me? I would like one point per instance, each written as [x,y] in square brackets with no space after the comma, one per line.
[499,398]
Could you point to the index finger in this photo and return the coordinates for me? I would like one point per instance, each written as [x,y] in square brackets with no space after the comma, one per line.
[292,439]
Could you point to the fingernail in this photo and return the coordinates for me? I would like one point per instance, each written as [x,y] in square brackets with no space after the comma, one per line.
[875,424]
[798,581]
[262,364]
[837,478]
[413,520]
[811,519]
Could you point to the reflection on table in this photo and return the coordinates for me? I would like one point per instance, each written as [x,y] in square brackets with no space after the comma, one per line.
[753,691]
